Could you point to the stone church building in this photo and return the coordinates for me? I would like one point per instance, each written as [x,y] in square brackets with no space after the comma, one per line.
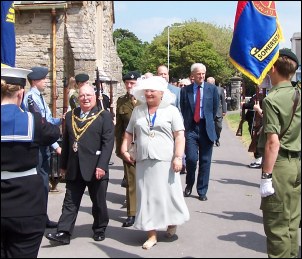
[68,37]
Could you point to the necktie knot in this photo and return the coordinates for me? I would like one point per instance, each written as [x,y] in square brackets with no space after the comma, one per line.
[83,114]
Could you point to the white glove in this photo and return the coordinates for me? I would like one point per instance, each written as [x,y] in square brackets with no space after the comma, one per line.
[266,187]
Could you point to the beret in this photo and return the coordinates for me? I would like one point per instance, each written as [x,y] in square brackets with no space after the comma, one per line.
[81,78]
[288,53]
[38,73]
[14,75]
[131,75]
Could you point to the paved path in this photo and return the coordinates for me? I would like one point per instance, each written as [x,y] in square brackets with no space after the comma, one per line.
[228,225]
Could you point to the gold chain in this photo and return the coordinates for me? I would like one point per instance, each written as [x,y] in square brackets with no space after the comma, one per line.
[79,131]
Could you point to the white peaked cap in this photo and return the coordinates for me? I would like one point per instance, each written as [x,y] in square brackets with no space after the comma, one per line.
[14,75]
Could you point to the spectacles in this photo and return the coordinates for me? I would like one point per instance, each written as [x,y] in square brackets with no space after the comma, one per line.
[87,96]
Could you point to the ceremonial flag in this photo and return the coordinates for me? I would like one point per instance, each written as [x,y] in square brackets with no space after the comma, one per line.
[8,38]
[255,44]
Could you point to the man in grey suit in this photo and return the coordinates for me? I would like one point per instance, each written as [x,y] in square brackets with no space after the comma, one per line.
[199,104]
[222,109]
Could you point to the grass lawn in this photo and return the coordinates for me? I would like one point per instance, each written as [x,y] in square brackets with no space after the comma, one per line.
[233,120]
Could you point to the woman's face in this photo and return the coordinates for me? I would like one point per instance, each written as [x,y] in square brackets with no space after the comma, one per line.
[153,97]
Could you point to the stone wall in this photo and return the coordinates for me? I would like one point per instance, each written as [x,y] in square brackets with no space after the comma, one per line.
[76,43]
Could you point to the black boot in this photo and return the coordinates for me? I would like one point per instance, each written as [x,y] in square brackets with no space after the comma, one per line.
[129,222]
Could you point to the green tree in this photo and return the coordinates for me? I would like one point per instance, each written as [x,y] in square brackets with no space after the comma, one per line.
[192,42]
[130,49]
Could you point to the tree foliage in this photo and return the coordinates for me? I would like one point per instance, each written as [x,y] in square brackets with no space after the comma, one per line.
[130,49]
[190,42]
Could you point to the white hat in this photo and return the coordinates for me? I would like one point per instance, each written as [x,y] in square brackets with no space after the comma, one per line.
[156,83]
[14,75]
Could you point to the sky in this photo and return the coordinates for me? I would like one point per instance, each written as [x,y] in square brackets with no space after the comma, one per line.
[147,19]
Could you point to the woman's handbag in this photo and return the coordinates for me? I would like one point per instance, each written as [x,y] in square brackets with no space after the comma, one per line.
[132,147]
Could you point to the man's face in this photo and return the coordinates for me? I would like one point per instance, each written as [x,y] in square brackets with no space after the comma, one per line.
[40,84]
[163,72]
[199,75]
[80,84]
[129,85]
[87,98]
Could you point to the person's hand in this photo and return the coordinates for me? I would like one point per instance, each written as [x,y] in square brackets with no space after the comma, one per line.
[257,108]
[59,150]
[177,164]
[128,158]
[63,173]
[99,173]
[63,115]
[266,187]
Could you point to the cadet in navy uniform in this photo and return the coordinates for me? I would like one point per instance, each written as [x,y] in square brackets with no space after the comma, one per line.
[23,203]
[34,102]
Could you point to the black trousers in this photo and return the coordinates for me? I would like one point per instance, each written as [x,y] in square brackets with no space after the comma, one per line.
[73,196]
[218,126]
[21,236]
[257,154]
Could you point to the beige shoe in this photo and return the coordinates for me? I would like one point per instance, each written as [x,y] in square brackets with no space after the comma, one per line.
[149,243]
[171,230]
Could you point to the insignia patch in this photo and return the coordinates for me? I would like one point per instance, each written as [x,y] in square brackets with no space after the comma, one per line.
[265,7]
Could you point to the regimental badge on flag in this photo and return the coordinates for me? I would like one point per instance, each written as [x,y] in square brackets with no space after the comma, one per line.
[8,38]
[255,44]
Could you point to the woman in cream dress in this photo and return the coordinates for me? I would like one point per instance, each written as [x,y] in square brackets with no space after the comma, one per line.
[159,133]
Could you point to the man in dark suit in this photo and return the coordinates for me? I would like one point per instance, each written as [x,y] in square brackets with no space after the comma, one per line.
[199,104]
[86,150]
[221,112]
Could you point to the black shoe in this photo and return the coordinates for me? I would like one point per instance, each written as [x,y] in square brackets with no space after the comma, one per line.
[217,143]
[51,224]
[60,237]
[203,198]
[129,222]
[98,236]
[188,191]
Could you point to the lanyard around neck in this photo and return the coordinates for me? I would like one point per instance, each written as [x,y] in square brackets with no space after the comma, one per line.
[151,122]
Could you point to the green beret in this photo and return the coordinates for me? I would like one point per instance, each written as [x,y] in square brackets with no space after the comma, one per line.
[288,53]
[38,73]
[131,75]
[81,78]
